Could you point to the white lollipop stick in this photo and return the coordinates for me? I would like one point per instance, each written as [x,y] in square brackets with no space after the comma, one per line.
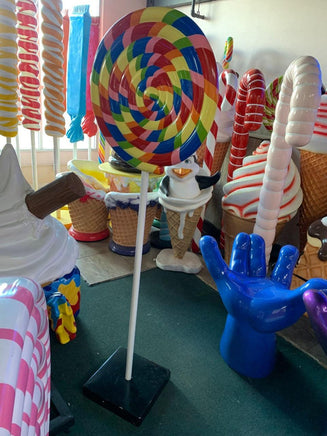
[34,162]
[296,112]
[17,148]
[137,273]
[56,155]
[75,150]
[89,149]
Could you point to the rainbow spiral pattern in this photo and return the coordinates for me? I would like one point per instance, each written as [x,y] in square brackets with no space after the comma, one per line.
[272,94]
[154,87]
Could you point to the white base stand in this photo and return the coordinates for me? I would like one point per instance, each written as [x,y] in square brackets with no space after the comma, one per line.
[190,263]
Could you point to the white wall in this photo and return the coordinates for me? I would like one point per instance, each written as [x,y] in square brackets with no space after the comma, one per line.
[268,34]
[113,10]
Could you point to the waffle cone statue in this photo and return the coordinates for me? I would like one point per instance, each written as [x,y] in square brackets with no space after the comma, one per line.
[183,193]
[241,197]
[181,229]
[89,214]
[123,209]
[314,189]
[313,172]
[313,261]
[219,155]
[233,225]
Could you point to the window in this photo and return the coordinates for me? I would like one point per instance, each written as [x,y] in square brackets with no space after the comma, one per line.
[23,140]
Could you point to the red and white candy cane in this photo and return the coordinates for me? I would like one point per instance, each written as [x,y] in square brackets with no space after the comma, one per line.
[228,83]
[296,113]
[207,164]
[228,80]
[249,110]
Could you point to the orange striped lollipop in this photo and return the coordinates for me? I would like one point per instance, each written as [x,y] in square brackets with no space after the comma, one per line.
[8,70]
[53,60]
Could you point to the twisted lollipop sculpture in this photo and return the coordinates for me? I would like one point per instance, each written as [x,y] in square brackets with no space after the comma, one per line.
[296,112]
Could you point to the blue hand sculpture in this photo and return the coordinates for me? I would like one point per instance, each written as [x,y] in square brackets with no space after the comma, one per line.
[316,305]
[257,305]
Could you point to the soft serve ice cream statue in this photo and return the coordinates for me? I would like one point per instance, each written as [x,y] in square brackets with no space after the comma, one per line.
[183,193]
[33,244]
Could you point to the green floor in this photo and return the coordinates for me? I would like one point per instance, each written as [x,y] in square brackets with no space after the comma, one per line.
[179,324]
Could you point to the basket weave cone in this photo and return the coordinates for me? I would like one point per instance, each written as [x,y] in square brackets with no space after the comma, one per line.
[314,186]
[308,267]
[233,225]
[124,225]
[90,216]
[218,156]
[200,152]
[175,220]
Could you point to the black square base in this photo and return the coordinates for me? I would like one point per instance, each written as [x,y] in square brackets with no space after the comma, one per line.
[131,400]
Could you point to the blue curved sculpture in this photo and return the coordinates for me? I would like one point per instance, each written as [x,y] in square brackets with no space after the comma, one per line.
[316,306]
[258,306]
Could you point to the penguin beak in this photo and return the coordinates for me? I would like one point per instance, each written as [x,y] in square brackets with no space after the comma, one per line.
[181,172]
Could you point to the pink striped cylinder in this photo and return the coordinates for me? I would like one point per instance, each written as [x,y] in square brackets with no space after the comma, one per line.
[249,111]
[25,358]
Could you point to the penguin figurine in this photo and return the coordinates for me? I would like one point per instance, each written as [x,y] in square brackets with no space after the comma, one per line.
[183,181]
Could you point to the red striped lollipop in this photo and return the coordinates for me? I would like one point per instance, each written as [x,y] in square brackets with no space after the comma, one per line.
[29,63]
[8,69]
[248,115]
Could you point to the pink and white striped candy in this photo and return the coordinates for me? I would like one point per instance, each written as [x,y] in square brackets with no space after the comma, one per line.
[25,358]
[211,144]
[228,82]
[249,111]
[295,117]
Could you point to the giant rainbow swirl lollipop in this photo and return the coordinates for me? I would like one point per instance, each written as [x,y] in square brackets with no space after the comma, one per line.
[154,94]
[154,87]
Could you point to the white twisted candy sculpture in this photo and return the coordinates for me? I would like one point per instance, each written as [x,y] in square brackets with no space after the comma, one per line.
[25,359]
[296,113]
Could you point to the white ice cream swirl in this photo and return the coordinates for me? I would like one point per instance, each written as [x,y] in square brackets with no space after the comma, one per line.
[242,193]
[40,249]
